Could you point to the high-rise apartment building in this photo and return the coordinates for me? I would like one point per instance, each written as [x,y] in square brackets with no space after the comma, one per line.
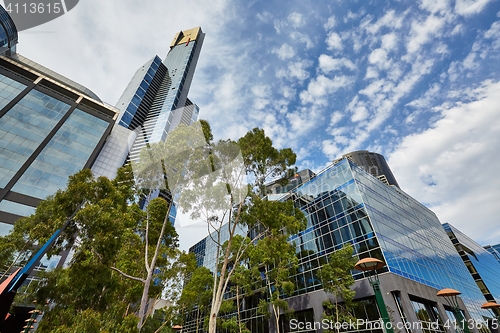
[154,102]
[50,128]
[375,164]
[345,204]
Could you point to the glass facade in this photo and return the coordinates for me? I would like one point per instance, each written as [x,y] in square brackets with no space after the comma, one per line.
[494,250]
[24,127]
[65,154]
[8,30]
[160,115]
[47,133]
[346,205]
[482,265]
[145,85]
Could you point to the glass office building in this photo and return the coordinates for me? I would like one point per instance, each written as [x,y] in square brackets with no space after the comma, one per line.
[344,204]
[494,250]
[8,33]
[482,264]
[50,128]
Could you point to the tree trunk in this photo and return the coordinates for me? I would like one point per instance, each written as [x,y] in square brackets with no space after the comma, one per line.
[144,299]
[277,316]
[238,307]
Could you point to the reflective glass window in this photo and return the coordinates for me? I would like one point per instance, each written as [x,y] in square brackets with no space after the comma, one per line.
[24,127]
[9,89]
[5,229]
[16,208]
[66,153]
[4,41]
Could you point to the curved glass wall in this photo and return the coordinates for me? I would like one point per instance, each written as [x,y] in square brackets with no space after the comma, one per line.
[8,30]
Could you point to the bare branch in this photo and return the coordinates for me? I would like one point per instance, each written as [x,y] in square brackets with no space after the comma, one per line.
[128,276]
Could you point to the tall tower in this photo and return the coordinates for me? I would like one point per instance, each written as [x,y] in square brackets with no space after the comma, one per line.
[154,102]
[373,163]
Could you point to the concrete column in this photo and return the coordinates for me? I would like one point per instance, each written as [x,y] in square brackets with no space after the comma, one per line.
[411,316]
[444,317]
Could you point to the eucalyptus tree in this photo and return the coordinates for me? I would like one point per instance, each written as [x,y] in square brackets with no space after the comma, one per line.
[337,280]
[209,181]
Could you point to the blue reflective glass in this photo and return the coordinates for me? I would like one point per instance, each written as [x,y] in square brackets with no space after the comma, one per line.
[9,89]
[66,153]
[5,229]
[24,127]
[16,208]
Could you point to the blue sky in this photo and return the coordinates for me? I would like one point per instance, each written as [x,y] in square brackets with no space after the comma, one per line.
[417,81]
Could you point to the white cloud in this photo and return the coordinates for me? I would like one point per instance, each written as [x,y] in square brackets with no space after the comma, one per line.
[421,32]
[434,6]
[328,64]
[302,38]
[458,29]
[285,51]
[265,16]
[336,117]
[389,41]
[288,92]
[470,7]
[298,70]
[303,120]
[330,23]
[334,41]
[360,113]
[379,58]
[330,149]
[296,19]
[459,154]
[278,25]
[390,19]
[321,86]
[371,72]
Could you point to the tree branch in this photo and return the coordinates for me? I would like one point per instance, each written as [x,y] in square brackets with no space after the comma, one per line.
[128,276]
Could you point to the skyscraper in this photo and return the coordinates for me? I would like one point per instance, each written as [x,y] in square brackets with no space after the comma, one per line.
[345,204]
[50,128]
[154,102]
[373,163]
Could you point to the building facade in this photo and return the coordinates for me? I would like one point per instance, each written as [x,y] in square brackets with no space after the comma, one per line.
[482,264]
[494,250]
[154,102]
[50,128]
[375,164]
[345,204]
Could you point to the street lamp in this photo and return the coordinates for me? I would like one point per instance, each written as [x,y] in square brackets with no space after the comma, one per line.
[177,328]
[491,306]
[372,265]
[450,296]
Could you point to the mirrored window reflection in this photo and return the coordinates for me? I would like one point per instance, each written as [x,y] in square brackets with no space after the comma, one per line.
[5,229]
[24,127]
[65,154]
[428,315]
[16,208]
[9,89]
[4,40]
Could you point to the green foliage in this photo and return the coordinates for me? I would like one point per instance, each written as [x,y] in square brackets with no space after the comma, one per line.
[197,292]
[336,279]
[101,290]
[262,159]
